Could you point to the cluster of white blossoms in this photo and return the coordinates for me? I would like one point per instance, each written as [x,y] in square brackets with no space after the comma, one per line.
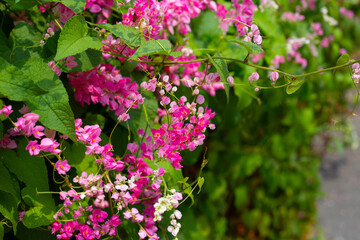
[175,226]
[330,20]
[166,204]
[356,72]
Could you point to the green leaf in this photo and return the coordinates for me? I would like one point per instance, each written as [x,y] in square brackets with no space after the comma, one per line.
[53,107]
[252,48]
[87,60]
[21,4]
[4,46]
[151,47]
[75,154]
[176,54]
[75,5]
[8,208]
[250,163]
[200,183]
[222,69]
[187,190]
[241,197]
[25,42]
[130,36]
[8,184]
[16,85]
[54,110]
[172,176]
[38,215]
[24,233]
[294,86]
[10,188]
[32,171]
[343,59]
[74,38]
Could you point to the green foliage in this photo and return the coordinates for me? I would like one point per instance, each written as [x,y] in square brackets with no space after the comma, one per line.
[87,60]
[32,171]
[261,180]
[152,47]
[172,176]
[21,4]
[75,38]
[10,196]
[294,85]
[53,106]
[25,42]
[75,5]
[221,68]
[142,117]
[75,154]
[130,36]
[1,231]
[15,84]
[252,48]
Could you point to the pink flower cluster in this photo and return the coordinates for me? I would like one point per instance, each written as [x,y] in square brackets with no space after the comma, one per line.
[186,130]
[26,125]
[114,47]
[105,85]
[141,184]
[293,17]
[152,17]
[254,35]
[177,14]
[294,44]
[102,7]
[241,16]
[98,222]
[346,13]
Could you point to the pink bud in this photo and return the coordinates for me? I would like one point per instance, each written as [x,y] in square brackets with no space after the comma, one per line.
[230,79]
[254,77]
[257,39]
[274,76]
[200,99]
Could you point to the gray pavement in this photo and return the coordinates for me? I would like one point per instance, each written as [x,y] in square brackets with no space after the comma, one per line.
[339,208]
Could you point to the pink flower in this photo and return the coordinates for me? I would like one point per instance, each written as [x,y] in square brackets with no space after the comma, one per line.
[124,117]
[274,76]
[200,99]
[98,215]
[6,142]
[49,145]
[62,166]
[33,148]
[21,215]
[133,147]
[230,79]
[86,232]
[55,227]
[115,221]
[6,110]
[254,77]
[37,132]
[70,63]
[142,234]
[257,39]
